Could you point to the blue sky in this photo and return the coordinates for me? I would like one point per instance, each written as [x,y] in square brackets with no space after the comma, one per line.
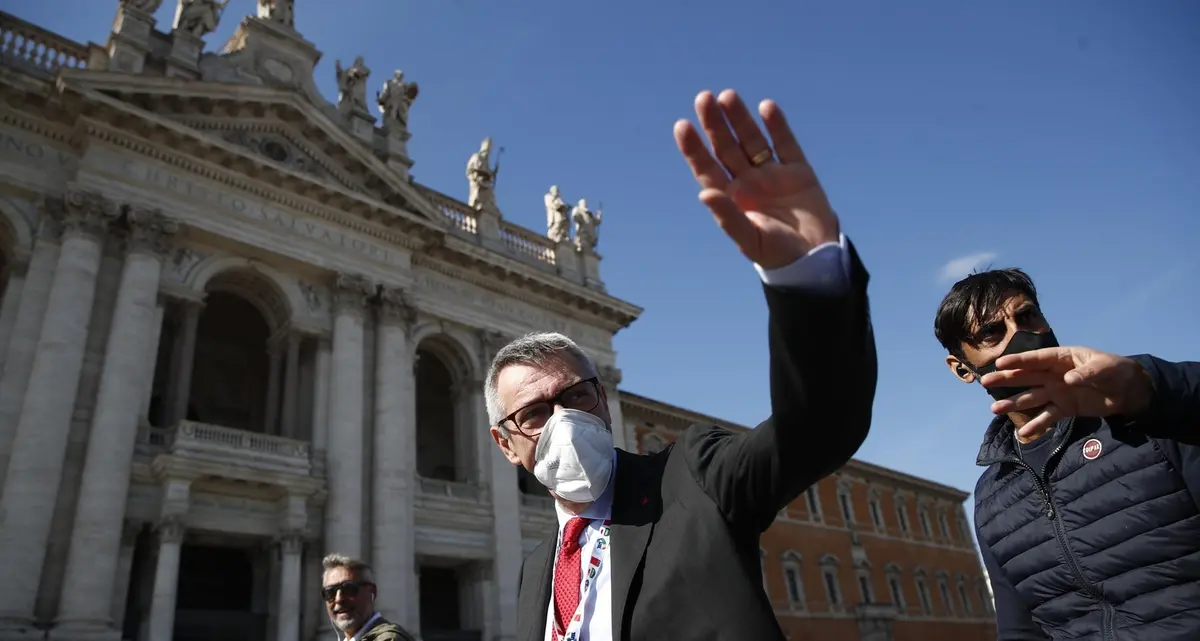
[1062,137]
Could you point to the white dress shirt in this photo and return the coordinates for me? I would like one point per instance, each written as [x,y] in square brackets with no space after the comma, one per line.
[825,269]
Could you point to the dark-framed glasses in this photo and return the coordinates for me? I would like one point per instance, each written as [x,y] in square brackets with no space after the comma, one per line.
[529,420]
[349,589]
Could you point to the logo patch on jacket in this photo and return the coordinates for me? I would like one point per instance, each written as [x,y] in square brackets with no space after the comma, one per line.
[1092,449]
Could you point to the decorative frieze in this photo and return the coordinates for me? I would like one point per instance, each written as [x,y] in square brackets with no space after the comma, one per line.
[171,528]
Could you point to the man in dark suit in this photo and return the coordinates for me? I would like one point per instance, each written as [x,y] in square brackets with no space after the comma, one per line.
[667,546]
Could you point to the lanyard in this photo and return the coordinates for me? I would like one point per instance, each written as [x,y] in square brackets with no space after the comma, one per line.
[589,582]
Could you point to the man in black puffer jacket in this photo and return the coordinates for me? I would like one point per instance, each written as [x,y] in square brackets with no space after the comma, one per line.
[1088,514]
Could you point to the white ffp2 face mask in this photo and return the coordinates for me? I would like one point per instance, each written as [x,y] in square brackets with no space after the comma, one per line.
[574,455]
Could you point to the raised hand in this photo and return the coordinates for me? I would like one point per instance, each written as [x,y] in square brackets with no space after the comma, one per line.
[1070,381]
[774,211]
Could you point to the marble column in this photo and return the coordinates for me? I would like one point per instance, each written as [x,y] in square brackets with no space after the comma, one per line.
[39,448]
[506,535]
[320,409]
[288,610]
[291,380]
[181,372]
[152,361]
[270,422]
[121,584]
[96,531]
[622,439]
[22,342]
[344,454]
[17,268]
[166,579]
[394,450]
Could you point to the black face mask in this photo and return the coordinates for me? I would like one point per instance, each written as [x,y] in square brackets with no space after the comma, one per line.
[1021,342]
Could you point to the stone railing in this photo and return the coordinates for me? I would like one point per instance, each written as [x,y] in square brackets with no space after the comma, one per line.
[534,502]
[452,489]
[514,238]
[35,49]
[227,445]
[523,242]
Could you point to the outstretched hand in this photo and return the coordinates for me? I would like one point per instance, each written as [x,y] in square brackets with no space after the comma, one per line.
[1070,381]
[775,211]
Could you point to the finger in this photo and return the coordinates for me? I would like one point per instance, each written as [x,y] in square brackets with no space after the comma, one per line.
[786,147]
[1043,359]
[1041,422]
[712,120]
[750,137]
[1019,378]
[731,219]
[1028,400]
[705,168]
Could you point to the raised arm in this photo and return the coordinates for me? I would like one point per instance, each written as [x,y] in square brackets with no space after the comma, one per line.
[822,350]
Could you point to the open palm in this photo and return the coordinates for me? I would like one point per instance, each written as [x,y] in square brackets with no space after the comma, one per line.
[775,212]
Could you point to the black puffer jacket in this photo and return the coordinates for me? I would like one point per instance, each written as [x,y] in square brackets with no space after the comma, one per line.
[1106,546]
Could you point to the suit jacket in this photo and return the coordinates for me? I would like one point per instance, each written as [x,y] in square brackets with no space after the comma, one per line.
[686,521]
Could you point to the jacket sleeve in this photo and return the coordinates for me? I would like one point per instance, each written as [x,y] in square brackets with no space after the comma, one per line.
[822,377]
[1014,622]
[1174,411]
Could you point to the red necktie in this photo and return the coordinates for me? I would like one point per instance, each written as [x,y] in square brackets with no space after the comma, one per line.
[567,575]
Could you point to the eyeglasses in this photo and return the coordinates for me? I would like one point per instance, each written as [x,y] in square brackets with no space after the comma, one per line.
[583,396]
[349,589]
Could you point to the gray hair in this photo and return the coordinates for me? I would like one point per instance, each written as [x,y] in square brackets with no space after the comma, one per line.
[530,349]
[358,567]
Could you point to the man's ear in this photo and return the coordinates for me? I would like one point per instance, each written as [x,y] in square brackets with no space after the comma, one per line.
[504,445]
[959,369]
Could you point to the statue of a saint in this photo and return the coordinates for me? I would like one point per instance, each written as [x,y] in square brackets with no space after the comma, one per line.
[278,11]
[352,86]
[587,226]
[394,99]
[558,227]
[482,177]
[199,17]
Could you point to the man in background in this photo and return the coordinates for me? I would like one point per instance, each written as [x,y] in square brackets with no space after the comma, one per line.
[348,588]
[1088,514]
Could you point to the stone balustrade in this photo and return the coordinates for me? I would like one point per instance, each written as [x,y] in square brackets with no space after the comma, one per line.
[539,503]
[518,241]
[227,445]
[452,490]
[36,50]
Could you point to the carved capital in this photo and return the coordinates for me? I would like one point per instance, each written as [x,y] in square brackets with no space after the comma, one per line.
[85,213]
[291,541]
[170,528]
[352,293]
[492,342]
[151,232]
[396,306]
[610,376]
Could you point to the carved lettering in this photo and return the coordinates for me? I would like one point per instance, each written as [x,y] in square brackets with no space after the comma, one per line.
[259,212]
[23,149]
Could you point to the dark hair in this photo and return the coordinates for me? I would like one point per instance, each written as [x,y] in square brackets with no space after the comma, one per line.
[975,299]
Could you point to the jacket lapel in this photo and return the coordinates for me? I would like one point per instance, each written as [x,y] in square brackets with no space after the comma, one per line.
[637,502]
[534,598]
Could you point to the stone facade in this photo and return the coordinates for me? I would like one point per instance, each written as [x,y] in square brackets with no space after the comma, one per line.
[867,553]
[237,334]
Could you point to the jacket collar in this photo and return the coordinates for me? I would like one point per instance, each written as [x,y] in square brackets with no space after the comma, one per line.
[1000,440]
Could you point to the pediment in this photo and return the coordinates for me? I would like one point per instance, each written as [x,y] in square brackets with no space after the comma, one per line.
[278,127]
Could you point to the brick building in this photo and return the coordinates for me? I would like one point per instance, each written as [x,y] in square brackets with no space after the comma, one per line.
[868,553]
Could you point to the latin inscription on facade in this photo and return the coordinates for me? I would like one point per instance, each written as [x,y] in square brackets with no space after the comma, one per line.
[22,148]
[257,211]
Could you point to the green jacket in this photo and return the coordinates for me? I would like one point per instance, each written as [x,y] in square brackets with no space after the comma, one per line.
[385,631]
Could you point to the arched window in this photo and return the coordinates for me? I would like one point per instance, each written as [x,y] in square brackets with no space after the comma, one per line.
[964,596]
[813,501]
[876,508]
[793,579]
[829,575]
[902,516]
[944,589]
[923,592]
[447,420]
[845,501]
[895,588]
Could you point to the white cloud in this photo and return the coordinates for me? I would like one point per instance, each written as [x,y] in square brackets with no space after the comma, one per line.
[962,266]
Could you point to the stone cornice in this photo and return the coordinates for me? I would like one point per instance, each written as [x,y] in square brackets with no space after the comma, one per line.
[677,419]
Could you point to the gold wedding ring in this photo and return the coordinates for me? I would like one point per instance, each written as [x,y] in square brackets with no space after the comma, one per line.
[761,157]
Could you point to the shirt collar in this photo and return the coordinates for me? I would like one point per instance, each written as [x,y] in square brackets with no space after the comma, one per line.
[601,508]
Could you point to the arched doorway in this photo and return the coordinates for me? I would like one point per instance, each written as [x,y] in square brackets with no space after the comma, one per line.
[231,366]
[437,418]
